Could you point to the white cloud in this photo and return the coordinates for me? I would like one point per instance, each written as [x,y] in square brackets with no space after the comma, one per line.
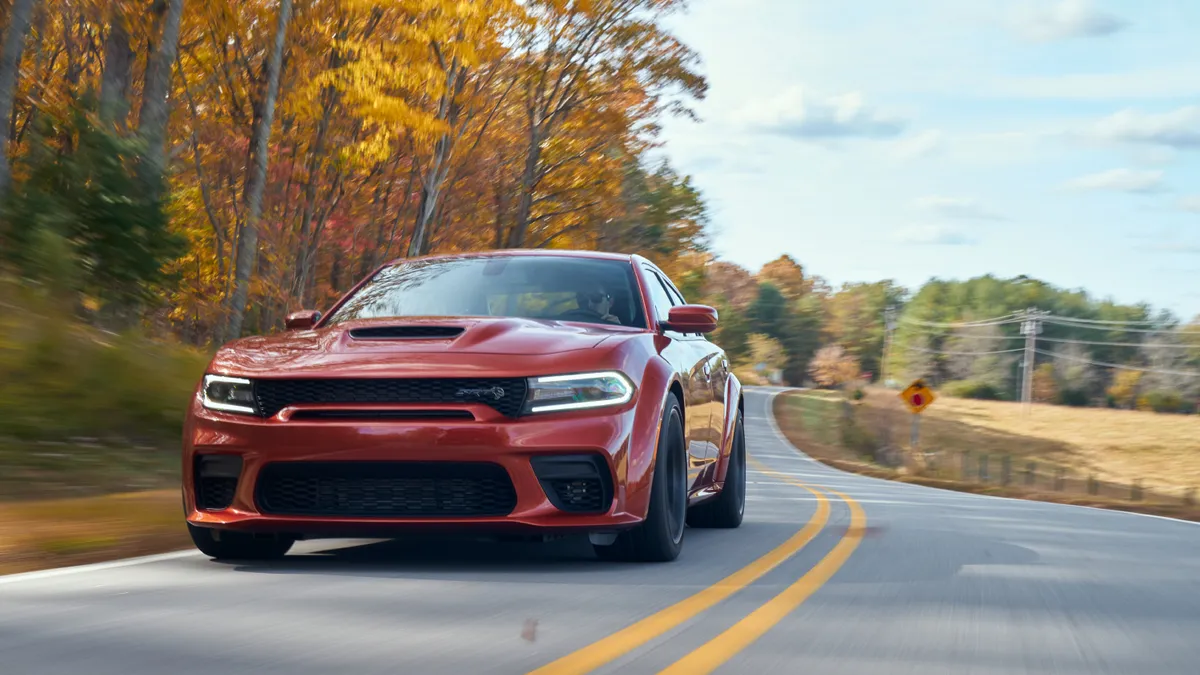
[936,234]
[1190,204]
[803,114]
[923,144]
[1119,180]
[1178,129]
[1069,19]
[956,207]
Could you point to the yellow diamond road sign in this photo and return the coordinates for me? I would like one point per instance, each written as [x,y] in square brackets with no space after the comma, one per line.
[917,396]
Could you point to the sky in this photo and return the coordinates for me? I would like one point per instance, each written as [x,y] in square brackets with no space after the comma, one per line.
[914,139]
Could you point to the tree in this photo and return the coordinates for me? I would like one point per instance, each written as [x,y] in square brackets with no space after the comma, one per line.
[788,276]
[152,118]
[10,60]
[767,353]
[971,355]
[833,367]
[1076,376]
[1045,386]
[257,178]
[1125,387]
[580,56]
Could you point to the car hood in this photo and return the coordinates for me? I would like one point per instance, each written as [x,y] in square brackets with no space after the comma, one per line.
[386,344]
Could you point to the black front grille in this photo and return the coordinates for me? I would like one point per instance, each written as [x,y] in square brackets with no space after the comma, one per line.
[506,395]
[575,483]
[385,489]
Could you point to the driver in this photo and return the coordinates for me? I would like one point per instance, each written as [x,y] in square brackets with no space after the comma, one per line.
[597,301]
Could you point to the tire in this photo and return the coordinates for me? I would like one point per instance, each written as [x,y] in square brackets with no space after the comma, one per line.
[226,545]
[727,508]
[659,538]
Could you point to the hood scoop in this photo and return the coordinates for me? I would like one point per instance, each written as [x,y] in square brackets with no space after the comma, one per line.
[406,332]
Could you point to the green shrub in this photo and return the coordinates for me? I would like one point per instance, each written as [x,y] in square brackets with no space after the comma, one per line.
[60,378]
[1073,397]
[972,389]
[1165,402]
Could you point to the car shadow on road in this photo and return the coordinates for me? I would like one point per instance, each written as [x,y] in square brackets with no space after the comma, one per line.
[438,555]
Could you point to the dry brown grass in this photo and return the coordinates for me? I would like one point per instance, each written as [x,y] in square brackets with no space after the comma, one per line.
[1114,445]
[41,535]
[1117,445]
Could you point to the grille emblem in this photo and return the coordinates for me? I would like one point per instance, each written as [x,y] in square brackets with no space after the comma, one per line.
[496,393]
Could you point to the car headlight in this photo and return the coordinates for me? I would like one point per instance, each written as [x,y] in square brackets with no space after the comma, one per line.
[577,392]
[229,394]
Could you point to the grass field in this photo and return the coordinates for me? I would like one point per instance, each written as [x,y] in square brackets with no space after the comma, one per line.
[1118,445]
[55,533]
[1116,448]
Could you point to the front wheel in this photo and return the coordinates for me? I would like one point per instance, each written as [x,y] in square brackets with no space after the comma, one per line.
[660,537]
[226,545]
[727,509]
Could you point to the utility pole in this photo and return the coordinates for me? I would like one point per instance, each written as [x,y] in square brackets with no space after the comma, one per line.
[889,324]
[1030,328]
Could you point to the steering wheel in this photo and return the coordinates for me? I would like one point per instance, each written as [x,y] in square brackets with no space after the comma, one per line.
[578,314]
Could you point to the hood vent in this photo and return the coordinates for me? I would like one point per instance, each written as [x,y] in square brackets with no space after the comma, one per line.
[406,333]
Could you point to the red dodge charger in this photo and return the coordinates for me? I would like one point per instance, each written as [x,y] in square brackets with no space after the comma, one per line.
[512,392]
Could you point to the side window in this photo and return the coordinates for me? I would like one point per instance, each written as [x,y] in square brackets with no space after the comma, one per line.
[659,297]
[676,296]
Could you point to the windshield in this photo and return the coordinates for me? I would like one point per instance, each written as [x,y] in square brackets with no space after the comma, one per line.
[533,287]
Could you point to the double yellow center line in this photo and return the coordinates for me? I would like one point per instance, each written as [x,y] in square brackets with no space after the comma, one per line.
[709,656]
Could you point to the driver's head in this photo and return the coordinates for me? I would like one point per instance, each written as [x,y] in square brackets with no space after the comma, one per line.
[596,299]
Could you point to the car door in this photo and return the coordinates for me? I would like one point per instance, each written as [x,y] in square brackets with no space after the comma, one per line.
[711,361]
[682,354]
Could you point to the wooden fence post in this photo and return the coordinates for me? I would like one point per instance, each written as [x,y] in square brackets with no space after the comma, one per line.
[1060,479]
[1030,472]
[1006,469]
[1136,492]
[983,468]
[1093,487]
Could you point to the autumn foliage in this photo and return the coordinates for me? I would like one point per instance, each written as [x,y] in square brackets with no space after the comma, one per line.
[293,146]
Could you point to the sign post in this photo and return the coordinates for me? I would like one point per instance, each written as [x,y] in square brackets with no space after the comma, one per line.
[917,396]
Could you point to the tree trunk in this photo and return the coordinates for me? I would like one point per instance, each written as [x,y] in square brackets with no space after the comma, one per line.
[118,66]
[257,180]
[152,118]
[10,60]
[520,227]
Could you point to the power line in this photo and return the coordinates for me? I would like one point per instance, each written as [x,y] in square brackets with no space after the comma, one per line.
[941,352]
[1121,323]
[1119,344]
[1000,320]
[1119,366]
[1069,323]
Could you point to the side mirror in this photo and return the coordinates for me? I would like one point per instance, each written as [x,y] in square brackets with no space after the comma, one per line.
[691,319]
[302,320]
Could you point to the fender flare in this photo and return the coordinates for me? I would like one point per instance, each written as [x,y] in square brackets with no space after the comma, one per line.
[642,453]
[734,404]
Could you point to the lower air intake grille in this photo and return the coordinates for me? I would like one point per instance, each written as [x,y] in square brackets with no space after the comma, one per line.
[216,479]
[386,489]
[575,483]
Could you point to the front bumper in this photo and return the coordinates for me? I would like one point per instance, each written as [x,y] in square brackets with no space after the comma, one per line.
[490,437]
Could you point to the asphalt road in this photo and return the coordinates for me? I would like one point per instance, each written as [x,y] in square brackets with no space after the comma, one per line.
[889,579]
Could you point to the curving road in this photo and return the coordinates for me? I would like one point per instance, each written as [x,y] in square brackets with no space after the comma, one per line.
[882,578]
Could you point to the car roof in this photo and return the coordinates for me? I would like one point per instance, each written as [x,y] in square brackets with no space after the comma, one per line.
[511,252]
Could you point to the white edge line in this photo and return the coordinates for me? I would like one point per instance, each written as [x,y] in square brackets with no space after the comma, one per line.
[95,567]
[782,437]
